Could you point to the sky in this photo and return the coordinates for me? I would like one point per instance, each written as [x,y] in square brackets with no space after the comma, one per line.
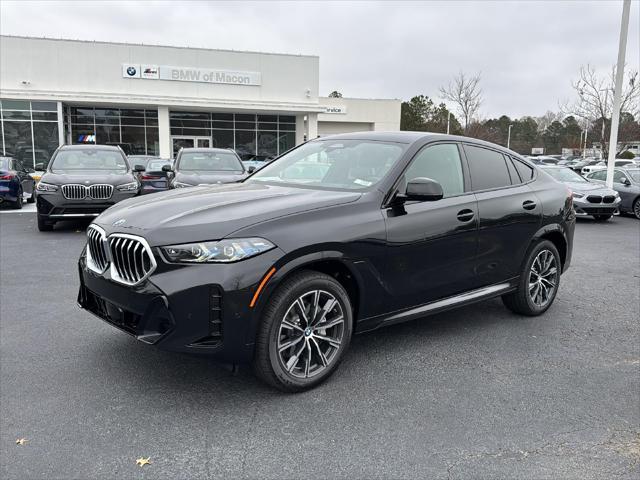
[527,52]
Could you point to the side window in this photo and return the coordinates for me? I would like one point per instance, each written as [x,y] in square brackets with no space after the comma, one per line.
[515,178]
[17,165]
[525,171]
[441,163]
[618,176]
[488,168]
[599,175]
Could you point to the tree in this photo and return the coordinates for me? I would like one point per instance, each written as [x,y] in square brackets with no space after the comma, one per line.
[465,93]
[335,94]
[595,98]
[421,115]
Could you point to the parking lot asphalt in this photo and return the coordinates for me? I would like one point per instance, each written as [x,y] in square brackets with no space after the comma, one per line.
[473,393]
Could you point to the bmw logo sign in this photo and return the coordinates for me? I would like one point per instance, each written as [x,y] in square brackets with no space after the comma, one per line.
[131,71]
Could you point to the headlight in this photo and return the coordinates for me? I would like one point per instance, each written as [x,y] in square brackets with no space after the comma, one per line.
[224,251]
[128,187]
[181,185]
[577,195]
[46,187]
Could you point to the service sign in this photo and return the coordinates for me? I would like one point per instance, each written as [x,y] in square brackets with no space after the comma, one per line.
[335,109]
[191,74]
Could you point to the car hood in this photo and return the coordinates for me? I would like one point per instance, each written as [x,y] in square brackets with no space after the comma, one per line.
[86,177]
[589,187]
[208,178]
[212,212]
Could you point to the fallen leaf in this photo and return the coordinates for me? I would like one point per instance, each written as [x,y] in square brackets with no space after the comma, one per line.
[21,441]
[143,461]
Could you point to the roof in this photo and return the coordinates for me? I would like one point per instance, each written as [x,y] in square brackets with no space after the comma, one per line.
[91,146]
[205,149]
[252,52]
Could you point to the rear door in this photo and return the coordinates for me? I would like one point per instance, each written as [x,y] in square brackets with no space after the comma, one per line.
[509,212]
[432,245]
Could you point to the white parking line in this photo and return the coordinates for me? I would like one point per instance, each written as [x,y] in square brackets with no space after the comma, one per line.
[26,208]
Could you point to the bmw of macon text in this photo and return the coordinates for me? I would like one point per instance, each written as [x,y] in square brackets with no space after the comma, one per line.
[342,234]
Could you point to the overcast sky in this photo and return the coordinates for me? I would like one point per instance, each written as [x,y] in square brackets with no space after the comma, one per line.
[528,52]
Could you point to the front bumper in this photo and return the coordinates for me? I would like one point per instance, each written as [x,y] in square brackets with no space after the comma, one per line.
[53,206]
[194,308]
[585,208]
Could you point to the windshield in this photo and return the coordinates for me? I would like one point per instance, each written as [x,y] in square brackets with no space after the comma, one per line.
[635,175]
[4,163]
[209,162]
[350,164]
[565,175]
[89,159]
[140,160]
[156,165]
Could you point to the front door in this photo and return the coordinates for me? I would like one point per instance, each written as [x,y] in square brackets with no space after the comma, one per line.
[432,245]
[189,142]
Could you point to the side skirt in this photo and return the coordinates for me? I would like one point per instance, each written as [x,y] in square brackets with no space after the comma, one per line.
[437,306]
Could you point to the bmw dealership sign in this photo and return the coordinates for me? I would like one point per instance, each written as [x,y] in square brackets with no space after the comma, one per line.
[190,74]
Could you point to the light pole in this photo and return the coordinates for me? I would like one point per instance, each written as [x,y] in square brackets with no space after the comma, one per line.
[617,92]
[584,148]
[604,117]
[509,136]
[448,122]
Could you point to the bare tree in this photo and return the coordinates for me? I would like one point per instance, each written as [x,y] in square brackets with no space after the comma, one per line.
[595,97]
[466,94]
[547,119]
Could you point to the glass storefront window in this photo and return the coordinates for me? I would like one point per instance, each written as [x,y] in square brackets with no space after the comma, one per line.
[267,144]
[133,138]
[17,141]
[15,105]
[222,138]
[153,142]
[106,135]
[44,106]
[45,142]
[246,144]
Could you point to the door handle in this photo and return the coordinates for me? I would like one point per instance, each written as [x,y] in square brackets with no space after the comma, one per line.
[529,205]
[465,215]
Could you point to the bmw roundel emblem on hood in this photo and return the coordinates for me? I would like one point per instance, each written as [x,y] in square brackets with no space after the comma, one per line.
[131,71]
[117,223]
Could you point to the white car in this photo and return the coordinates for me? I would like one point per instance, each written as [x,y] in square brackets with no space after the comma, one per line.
[603,166]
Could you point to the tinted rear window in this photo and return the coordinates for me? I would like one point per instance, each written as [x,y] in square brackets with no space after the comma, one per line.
[487,167]
[525,171]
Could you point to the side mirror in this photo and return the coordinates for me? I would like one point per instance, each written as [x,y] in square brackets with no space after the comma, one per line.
[139,168]
[251,169]
[167,168]
[423,190]
[625,181]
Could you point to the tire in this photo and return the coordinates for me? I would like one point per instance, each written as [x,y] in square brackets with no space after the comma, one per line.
[524,300]
[602,218]
[636,208]
[19,200]
[43,225]
[308,361]
[32,198]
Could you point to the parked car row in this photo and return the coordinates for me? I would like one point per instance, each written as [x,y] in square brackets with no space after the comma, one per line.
[16,182]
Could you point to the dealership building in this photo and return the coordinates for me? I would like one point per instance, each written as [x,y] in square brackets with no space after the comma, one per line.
[156,99]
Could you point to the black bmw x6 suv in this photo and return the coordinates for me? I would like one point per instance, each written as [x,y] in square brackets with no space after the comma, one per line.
[82,181]
[342,234]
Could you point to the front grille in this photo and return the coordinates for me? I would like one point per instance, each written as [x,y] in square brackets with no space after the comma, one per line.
[74,192]
[594,199]
[131,258]
[609,199]
[97,255]
[100,191]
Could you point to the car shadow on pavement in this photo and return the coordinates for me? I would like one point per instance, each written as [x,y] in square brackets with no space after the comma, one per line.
[123,359]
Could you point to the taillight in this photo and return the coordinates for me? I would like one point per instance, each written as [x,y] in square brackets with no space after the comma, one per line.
[150,177]
[8,176]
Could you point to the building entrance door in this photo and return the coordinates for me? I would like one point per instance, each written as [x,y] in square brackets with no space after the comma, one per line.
[188,142]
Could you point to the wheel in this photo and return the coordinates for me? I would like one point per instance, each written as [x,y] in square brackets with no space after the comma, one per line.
[602,218]
[538,282]
[43,225]
[32,198]
[636,208]
[19,200]
[305,332]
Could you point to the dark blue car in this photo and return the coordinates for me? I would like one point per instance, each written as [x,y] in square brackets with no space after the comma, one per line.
[15,182]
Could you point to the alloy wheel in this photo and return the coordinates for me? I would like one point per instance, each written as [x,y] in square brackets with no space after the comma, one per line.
[543,278]
[311,333]
[636,209]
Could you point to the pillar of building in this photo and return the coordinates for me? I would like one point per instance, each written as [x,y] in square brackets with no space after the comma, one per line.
[164,132]
[312,126]
[300,130]
[60,124]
